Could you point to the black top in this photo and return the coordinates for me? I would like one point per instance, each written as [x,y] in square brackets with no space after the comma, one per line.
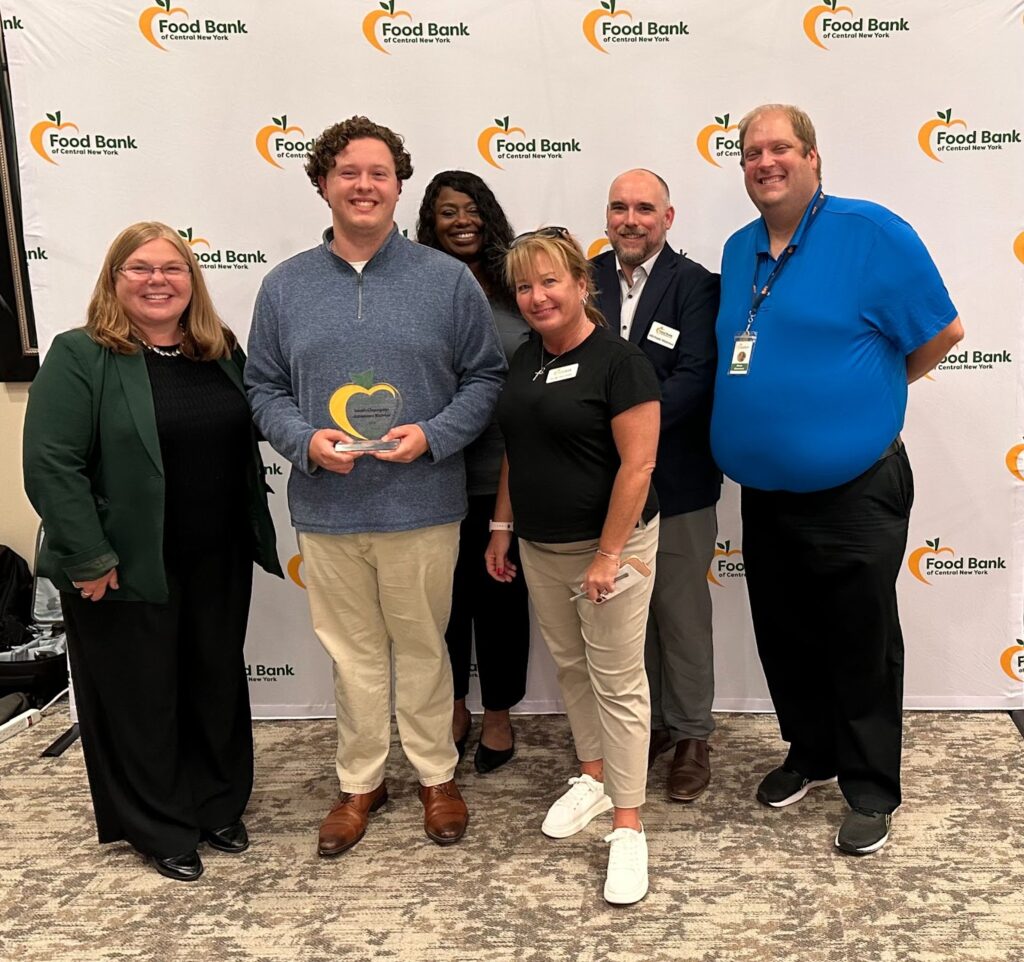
[558,433]
[203,422]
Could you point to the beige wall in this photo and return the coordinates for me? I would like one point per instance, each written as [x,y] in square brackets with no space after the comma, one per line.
[17,519]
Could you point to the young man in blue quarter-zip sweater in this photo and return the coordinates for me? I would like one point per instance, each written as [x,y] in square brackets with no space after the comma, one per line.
[370,319]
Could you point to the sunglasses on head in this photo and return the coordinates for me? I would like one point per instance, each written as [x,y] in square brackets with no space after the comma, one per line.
[552,231]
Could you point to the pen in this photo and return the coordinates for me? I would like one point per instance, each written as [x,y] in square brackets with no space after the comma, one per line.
[582,594]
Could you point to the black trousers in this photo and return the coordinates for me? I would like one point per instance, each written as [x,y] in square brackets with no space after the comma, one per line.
[163,704]
[821,573]
[497,611]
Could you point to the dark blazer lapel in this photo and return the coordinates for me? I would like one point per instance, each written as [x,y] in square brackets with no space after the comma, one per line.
[654,290]
[131,368]
[609,300]
[230,367]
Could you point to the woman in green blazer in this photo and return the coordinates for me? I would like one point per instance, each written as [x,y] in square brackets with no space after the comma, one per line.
[141,458]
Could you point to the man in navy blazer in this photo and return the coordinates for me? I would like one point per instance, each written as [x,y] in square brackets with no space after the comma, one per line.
[666,304]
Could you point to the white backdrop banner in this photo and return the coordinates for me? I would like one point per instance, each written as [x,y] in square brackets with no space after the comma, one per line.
[200,115]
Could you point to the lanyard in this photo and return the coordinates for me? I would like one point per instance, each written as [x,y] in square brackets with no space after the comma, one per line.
[760,295]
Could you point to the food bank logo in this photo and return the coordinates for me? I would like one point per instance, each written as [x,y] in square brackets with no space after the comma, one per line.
[938,136]
[727,562]
[1013,461]
[597,245]
[259,672]
[277,141]
[1012,661]
[1018,247]
[930,560]
[497,143]
[222,258]
[600,28]
[714,142]
[49,139]
[294,569]
[974,360]
[826,21]
[162,22]
[387,26]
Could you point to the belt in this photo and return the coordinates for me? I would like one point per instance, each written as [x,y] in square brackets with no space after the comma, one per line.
[896,446]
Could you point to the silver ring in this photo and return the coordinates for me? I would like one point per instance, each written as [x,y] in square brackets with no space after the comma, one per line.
[86,594]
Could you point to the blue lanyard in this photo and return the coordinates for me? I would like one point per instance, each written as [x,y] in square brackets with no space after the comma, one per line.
[759,295]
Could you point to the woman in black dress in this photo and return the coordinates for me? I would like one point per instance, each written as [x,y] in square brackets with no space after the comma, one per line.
[141,459]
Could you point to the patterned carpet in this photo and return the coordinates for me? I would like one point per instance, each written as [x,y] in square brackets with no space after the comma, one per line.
[731,881]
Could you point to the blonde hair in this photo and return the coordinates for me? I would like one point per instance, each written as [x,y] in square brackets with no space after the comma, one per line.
[560,248]
[798,119]
[206,338]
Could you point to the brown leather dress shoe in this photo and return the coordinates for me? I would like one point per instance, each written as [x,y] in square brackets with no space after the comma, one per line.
[661,741]
[691,770]
[345,823]
[445,815]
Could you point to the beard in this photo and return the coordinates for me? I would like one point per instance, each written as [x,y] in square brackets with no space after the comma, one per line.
[631,256]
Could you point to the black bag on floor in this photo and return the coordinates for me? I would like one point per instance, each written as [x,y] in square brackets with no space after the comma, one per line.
[33,661]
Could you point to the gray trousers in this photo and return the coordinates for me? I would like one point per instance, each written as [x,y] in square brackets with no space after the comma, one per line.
[679,655]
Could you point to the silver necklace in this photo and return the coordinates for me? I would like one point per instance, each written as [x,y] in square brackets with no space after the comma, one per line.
[163,351]
[543,367]
[174,351]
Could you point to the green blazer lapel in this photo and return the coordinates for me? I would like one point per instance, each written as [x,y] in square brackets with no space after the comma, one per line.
[232,369]
[131,368]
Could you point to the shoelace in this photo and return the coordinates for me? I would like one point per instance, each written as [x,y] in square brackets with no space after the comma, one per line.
[580,790]
[627,855]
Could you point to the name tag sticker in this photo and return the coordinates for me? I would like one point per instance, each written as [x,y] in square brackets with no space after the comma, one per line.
[562,373]
[663,334]
[742,351]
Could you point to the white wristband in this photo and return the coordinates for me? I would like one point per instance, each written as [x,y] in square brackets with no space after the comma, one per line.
[499,525]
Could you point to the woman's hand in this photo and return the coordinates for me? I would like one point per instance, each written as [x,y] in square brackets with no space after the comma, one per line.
[600,577]
[496,557]
[94,590]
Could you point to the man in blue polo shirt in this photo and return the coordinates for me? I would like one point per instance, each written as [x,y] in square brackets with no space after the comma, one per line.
[830,307]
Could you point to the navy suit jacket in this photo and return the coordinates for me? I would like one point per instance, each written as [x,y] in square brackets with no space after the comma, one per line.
[682,295]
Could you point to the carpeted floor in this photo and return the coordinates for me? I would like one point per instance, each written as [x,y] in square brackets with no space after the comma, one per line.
[731,881]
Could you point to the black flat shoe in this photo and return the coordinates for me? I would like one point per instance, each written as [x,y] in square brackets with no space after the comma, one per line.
[181,868]
[232,838]
[488,759]
[460,745]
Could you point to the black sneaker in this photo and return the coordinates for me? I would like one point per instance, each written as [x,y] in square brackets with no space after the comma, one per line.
[863,832]
[783,786]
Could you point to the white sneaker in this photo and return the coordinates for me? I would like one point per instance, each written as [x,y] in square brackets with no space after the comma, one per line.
[576,808]
[626,882]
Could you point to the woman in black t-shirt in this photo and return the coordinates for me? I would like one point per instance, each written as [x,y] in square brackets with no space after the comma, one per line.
[580,413]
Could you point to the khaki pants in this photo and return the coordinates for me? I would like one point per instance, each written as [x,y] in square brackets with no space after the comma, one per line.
[599,653]
[372,596]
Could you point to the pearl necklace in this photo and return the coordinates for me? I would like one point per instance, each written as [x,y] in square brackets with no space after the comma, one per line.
[163,351]
[173,351]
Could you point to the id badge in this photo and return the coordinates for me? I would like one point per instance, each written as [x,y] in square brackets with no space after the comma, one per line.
[742,351]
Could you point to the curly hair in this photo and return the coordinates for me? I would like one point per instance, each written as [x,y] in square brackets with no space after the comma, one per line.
[337,137]
[497,232]
[562,249]
[206,338]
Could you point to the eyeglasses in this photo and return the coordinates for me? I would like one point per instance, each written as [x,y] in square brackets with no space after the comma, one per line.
[552,231]
[143,272]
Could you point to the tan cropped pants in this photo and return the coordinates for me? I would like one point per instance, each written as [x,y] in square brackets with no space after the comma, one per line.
[599,653]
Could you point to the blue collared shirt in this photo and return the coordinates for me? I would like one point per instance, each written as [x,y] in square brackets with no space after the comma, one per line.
[826,391]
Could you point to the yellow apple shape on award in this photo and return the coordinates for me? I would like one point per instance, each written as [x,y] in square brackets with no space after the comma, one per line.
[366,411]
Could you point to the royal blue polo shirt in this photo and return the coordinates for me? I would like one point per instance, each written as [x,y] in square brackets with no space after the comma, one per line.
[826,390]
